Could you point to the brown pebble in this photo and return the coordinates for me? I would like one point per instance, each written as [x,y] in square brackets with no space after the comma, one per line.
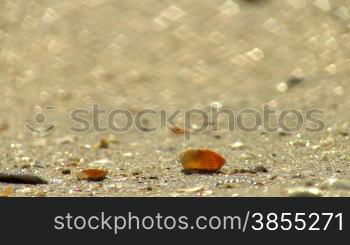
[177,130]
[203,160]
[92,174]
[4,127]
[103,144]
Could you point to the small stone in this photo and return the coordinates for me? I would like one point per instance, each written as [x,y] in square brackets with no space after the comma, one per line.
[238,146]
[257,169]
[136,173]
[294,81]
[336,184]
[4,127]
[261,169]
[92,174]
[103,144]
[281,132]
[66,171]
[19,177]
[154,177]
[304,192]
[243,171]
[177,130]
[201,160]
[325,156]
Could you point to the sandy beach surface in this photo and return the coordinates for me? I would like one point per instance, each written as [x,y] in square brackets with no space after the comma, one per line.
[61,56]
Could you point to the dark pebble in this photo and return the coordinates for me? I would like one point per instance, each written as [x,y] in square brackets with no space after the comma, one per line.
[66,171]
[261,169]
[21,178]
[153,177]
[294,81]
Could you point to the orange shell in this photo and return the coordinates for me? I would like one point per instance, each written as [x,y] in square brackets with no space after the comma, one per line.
[92,174]
[201,160]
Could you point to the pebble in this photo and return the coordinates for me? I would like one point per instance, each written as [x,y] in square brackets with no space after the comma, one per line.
[238,146]
[66,171]
[201,160]
[19,177]
[257,169]
[336,184]
[4,127]
[177,130]
[92,174]
[103,144]
[304,192]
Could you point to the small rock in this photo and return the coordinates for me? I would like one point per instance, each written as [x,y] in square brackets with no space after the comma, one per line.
[336,184]
[261,169]
[177,130]
[281,132]
[92,174]
[238,146]
[103,144]
[66,171]
[257,169]
[294,81]
[4,127]
[304,192]
[243,171]
[325,156]
[153,177]
[19,177]
[204,160]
